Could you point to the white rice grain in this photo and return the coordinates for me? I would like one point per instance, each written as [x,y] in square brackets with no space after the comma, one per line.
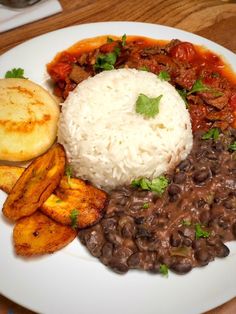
[108,143]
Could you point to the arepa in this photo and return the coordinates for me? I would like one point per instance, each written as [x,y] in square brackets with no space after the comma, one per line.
[28,119]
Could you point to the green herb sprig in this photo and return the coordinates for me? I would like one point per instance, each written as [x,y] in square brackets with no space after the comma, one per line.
[68,173]
[164,76]
[144,68]
[73,218]
[123,40]
[213,133]
[157,185]
[183,95]
[148,107]
[200,233]
[15,73]
[106,61]
[110,40]
[164,270]
[198,86]
[232,146]
[145,206]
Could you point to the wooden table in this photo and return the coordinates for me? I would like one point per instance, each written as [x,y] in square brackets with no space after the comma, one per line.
[213,19]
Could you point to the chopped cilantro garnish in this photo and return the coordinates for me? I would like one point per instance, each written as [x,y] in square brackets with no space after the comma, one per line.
[68,171]
[110,40]
[164,270]
[186,223]
[117,51]
[198,86]
[145,205]
[73,218]
[15,73]
[183,94]
[164,76]
[232,146]
[200,233]
[144,68]
[157,185]
[148,107]
[211,134]
[106,61]
[123,39]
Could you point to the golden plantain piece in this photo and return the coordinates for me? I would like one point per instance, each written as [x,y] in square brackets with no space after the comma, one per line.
[8,177]
[36,184]
[75,203]
[38,234]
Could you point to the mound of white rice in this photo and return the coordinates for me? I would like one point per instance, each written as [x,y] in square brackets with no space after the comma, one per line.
[108,143]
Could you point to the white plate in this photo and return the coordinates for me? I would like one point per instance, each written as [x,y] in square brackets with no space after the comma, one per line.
[71,281]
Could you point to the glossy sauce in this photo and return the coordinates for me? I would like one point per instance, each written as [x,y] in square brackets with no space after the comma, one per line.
[199,58]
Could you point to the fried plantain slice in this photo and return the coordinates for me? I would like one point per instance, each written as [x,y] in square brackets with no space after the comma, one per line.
[75,203]
[79,188]
[36,184]
[38,234]
[8,177]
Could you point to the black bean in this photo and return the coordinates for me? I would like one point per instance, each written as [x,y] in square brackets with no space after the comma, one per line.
[202,256]
[185,165]
[174,189]
[222,250]
[118,266]
[173,198]
[109,224]
[122,253]
[187,242]
[167,260]
[181,267]
[136,207]
[234,229]
[223,223]
[210,155]
[200,203]
[228,203]
[175,239]
[128,230]
[204,217]
[107,250]
[179,177]
[94,242]
[188,232]
[114,238]
[134,260]
[197,244]
[212,241]
[143,233]
[201,175]
[139,220]
[217,200]
[219,146]
[215,168]
[155,267]
[233,132]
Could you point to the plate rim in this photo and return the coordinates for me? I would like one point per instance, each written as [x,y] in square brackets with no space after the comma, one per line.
[125,23]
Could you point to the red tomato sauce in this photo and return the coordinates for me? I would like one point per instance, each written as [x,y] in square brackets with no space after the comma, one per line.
[186,64]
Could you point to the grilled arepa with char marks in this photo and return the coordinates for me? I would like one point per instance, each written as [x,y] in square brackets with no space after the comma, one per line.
[28,119]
